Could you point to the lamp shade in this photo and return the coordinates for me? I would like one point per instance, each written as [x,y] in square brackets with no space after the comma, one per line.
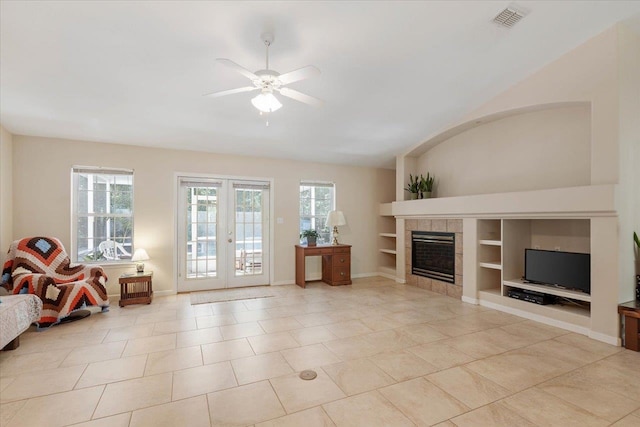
[140,255]
[336,218]
[266,102]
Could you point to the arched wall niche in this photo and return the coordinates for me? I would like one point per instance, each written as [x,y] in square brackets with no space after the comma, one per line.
[531,148]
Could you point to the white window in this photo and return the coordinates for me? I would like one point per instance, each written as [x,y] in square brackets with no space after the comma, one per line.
[102,226]
[316,201]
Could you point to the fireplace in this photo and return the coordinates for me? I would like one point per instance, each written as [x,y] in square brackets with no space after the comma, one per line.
[433,255]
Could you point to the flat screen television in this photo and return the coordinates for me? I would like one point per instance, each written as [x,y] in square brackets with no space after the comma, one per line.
[569,270]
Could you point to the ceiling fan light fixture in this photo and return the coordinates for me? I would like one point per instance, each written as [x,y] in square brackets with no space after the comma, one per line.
[266,102]
[267,81]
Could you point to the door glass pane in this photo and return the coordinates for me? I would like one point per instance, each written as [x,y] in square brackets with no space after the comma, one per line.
[248,229]
[201,225]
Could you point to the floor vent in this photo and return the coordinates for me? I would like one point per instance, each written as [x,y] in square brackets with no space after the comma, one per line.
[509,17]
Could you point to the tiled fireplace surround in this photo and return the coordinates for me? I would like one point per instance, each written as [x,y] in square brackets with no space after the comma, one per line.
[444,225]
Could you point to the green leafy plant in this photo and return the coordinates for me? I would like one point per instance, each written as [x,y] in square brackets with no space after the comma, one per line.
[636,239]
[426,184]
[309,233]
[414,184]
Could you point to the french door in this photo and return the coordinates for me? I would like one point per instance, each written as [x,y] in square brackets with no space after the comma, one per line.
[223,233]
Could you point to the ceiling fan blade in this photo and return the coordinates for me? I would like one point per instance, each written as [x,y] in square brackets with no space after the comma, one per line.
[299,96]
[240,69]
[231,91]
[299,74]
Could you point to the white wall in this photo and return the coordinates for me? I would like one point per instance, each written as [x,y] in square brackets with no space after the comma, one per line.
[42,197]
[6,192]
[628,194]
[589,73]
[566,234]
[532,151]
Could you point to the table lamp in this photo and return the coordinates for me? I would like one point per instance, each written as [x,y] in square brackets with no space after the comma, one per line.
[139,256]
[335,219]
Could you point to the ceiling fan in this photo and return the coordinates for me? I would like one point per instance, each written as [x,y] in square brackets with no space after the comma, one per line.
[269,81]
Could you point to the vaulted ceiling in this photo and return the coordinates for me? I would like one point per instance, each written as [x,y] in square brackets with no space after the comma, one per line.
[393,72]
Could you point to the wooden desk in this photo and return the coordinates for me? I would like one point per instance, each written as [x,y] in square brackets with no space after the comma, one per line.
[631,312]
[136,288]
[336,263]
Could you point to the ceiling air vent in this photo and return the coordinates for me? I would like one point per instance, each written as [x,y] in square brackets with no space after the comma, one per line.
[509,17]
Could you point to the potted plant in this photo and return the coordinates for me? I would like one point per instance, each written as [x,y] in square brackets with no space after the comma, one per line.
[413,187]
[426,186]
[311,236]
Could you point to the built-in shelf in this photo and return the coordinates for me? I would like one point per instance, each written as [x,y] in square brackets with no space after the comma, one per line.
[494,265]
[501,246]
[388,242]
[550,290]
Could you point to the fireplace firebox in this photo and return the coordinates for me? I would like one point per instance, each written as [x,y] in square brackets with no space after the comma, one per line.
[433,255]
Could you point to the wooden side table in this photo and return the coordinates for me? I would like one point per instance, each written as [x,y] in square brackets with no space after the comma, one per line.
[135,288]
[630,310]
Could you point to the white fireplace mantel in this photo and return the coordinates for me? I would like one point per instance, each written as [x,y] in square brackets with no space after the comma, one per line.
[586,201]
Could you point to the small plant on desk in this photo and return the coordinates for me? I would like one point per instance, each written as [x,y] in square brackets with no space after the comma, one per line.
[311,236]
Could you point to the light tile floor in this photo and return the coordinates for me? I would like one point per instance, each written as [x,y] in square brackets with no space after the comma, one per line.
[385,354]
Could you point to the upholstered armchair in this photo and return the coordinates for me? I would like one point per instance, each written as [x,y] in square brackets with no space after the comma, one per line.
[41,266]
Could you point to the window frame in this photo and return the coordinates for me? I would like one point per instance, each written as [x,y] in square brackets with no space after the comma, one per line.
[325,234]
[76,171]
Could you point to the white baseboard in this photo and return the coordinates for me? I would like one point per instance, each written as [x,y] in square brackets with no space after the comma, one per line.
[470,300]
[164,293]
[283,282]
[361,275]
[293,282]
[387,276]
[605,338]
[314,278]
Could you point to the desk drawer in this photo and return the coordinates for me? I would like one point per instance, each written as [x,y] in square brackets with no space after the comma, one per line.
[342,250]
[341,273]
[341,259]
[318,251]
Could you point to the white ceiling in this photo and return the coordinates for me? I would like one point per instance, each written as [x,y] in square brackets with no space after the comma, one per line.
[393,73]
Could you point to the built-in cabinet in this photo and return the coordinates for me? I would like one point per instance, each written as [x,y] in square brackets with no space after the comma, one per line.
[498,227]
[500,252]
[490,247]
[387,238]
[489,252]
